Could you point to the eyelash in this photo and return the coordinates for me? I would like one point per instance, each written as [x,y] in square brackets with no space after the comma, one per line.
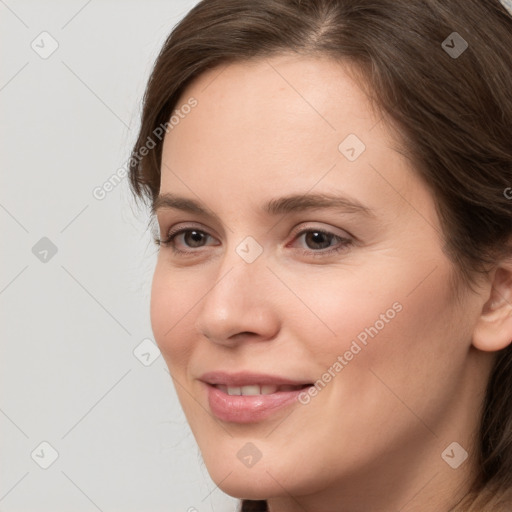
[343,243]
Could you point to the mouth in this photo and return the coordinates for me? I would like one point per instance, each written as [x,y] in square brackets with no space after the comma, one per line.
[257,389]
[249,398]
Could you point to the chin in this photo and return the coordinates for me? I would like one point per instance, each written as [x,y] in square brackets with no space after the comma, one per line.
[249,488]
[245,483]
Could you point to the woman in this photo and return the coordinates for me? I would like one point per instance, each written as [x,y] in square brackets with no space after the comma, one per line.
[332,183]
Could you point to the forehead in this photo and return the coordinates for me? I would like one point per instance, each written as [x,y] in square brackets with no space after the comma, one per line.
[287,110]
[316,92]
[280,126]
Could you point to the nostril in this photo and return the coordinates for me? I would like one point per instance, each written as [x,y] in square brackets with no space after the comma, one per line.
[244,334]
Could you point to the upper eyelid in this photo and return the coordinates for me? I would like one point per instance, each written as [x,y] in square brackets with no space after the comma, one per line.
[161,214]
[294,230]
[185,227]
[330,230]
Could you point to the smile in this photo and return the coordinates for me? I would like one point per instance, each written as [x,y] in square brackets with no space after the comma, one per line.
[256,389]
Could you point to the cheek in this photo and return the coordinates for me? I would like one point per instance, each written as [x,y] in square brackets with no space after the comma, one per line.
[396,322]
[415,358]
[332,308]
[172,302]
[406,344]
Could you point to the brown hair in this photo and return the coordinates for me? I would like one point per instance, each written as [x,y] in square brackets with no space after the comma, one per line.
[453,114]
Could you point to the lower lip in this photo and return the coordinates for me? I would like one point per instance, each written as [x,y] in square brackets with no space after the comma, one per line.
[248,409]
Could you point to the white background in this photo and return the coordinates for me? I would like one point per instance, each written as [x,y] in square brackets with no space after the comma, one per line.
[70,324]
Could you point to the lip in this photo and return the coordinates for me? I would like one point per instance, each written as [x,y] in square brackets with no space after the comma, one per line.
[251,408]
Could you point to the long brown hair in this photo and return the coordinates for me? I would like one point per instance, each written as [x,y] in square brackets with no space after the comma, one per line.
[452,112]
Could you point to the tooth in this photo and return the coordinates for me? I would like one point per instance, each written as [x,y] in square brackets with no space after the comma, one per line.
[254,389]
[234,391]
[250,390]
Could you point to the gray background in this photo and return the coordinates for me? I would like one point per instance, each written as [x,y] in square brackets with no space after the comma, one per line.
[73,372]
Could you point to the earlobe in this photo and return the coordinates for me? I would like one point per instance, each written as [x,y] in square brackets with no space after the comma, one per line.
[493,330]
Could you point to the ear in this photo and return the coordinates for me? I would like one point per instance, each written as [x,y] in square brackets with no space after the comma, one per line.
[493,330]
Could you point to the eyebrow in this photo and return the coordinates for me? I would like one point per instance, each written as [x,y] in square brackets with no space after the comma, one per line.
[277,206]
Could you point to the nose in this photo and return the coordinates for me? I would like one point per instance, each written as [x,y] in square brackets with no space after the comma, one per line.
[239,304]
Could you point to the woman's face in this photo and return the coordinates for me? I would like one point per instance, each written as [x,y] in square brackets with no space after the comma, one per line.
[309,251]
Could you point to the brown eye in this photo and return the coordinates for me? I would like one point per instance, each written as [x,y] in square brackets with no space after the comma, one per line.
[317,242]
[318,239]
[185,240]
[193,238]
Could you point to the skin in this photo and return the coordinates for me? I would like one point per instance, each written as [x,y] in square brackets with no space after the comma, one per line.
[372,438]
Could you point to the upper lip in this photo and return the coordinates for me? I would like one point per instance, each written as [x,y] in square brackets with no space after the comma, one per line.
[248,378]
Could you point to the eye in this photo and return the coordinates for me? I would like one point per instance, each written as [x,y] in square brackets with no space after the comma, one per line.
[190,238]
[321,241]
[312,241]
